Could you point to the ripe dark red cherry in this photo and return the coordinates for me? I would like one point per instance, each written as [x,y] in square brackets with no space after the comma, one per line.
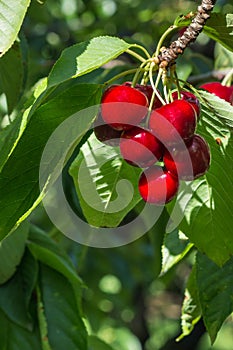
[148,91]
[129,109]
[173,122]
[106,133]
[189,97]
[157,186]
[140,148]
[199,153]
[216,88]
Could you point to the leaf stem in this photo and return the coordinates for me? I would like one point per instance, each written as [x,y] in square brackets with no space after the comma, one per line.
[136,55]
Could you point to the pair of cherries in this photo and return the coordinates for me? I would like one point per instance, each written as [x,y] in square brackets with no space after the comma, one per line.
[167,136]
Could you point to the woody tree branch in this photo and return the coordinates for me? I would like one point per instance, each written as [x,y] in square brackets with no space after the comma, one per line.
[177,47]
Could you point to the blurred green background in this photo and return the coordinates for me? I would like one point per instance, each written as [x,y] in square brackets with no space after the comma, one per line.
[124,303]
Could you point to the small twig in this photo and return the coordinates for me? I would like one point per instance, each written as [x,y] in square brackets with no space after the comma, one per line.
[177,47]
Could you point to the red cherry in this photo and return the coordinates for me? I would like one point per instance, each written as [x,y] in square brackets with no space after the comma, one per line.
[219,90]
[140,148]
[148,91]
[129,107]
[189,97]
[173,122]
[199,153]
[157,186]
[105,133]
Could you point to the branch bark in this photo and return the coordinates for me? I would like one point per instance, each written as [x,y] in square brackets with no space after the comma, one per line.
[177,47]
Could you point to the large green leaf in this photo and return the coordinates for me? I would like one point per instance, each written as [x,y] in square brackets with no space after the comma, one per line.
[98,173]
[66,329]
[14,337]
[215,286]
[19,178]
[84,57]
[207,213]
[12,14]
[11,251]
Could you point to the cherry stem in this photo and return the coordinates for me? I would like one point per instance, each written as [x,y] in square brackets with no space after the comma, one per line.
[144,66]
[155,85]
[120,75]
[142,48]
[163,37]
[228,78]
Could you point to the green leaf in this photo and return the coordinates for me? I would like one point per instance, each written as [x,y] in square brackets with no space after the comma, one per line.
[191,309]
[19,178]
[12,75]
[219,28]
[47,251]
[15,294]
[14,337]
[99,174]
[221,112]
[94,343]
[215,286]
[84,57]
[207,212]
[65,326]
[12,14]
[11,251]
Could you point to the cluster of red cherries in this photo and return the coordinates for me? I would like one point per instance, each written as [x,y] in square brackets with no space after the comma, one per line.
[164,143]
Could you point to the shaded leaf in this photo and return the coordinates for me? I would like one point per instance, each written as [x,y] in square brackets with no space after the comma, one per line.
[14,337]
[176,246]
[65,326]
[12,75]
[215,286]
[217,28]
[47,251]
[16,293]
[11,251]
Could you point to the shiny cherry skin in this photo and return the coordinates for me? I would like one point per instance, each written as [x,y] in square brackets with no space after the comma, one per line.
[129,109]
[173,122]
[148,91]
[189,97]
[157,186]
[106,133]
[199,153]
[140,148]
[216,88]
